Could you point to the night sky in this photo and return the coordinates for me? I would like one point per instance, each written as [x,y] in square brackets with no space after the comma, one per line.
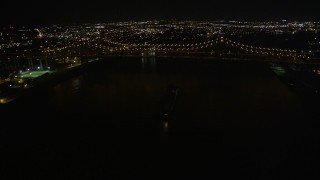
[35,12]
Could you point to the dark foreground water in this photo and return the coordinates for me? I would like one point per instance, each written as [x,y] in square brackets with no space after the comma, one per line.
[231,120]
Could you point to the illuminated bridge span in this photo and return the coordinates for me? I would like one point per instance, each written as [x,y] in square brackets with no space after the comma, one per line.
[217,45]
[214,47]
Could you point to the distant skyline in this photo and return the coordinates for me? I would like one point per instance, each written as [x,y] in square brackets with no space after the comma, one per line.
[35,12]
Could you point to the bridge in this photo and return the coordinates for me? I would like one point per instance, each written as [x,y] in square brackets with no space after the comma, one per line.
[213,47]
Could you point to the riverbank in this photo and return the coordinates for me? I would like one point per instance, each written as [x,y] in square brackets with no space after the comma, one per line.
[38,83]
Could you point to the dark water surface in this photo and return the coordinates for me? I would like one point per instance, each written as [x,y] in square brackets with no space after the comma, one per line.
[231,120]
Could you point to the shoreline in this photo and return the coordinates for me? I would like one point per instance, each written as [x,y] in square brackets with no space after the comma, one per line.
[57,76]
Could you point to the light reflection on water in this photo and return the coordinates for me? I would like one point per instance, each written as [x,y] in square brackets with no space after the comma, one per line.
[165,128]
[76,85]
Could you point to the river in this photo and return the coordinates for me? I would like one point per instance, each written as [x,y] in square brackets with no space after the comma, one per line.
[231,119]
